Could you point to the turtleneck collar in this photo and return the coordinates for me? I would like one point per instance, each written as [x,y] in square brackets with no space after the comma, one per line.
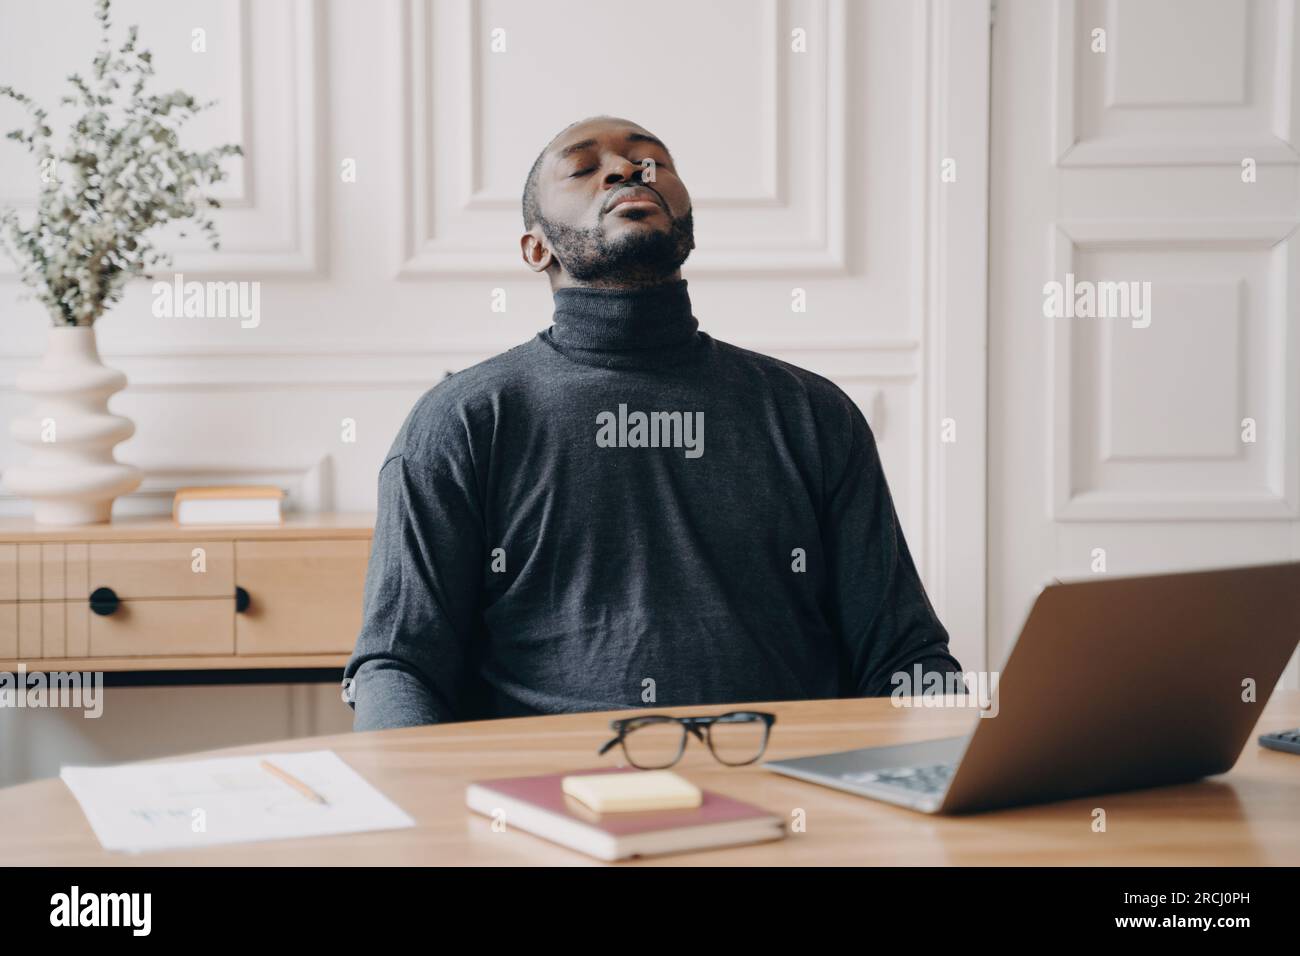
[624,319]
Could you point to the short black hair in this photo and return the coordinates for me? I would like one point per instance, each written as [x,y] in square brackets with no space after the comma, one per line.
[532,208]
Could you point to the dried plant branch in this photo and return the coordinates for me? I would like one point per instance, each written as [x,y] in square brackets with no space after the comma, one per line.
[120,174]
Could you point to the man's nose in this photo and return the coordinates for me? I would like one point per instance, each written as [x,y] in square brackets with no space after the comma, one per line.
[623,171]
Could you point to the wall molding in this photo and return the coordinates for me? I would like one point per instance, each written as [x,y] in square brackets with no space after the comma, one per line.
[420,366]
[301,206]
[245,221]
[423,252]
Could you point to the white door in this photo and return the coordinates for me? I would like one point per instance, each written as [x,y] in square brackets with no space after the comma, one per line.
[1149,145]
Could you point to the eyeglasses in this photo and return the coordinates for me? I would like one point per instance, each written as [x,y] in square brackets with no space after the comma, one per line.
[656,741]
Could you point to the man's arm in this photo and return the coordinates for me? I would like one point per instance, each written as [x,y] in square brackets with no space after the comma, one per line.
[413,659]
[882,615]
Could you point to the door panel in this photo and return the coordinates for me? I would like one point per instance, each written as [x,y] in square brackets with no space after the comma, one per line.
[1145,150]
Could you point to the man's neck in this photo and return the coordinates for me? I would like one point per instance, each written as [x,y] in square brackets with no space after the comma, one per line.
[633,319]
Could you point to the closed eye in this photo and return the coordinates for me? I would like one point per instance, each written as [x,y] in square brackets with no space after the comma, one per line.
[582,172]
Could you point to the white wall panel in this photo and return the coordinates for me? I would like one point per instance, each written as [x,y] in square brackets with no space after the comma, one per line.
[259,62]
[762,142]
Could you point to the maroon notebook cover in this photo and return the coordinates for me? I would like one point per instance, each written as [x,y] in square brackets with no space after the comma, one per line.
[545,792]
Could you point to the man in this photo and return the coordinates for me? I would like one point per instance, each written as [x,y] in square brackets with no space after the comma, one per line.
[624,511]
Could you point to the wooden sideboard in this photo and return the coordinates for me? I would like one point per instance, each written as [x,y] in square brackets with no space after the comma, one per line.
[146,594]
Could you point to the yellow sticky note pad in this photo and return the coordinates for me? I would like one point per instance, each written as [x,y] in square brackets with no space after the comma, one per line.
[623,792]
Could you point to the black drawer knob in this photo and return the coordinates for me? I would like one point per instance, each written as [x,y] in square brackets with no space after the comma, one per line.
[241,600]
[104,601]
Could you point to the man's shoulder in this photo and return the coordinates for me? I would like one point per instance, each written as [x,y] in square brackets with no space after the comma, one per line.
[781,375]
[482,382]
[465,399]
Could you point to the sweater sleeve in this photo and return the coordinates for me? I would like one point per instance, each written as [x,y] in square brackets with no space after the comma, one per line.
[414,658]
[882,615]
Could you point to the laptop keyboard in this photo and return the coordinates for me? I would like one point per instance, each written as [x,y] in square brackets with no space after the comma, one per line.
[931,779]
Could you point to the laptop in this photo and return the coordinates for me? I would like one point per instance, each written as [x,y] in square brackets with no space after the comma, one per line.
[1114,684]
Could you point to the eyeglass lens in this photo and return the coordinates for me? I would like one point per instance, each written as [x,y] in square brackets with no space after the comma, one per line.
[655,744]
[738,740]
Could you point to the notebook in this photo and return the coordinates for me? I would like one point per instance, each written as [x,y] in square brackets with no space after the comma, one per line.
[538,805]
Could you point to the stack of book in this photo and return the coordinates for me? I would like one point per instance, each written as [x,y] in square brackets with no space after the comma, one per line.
[228,504]
[546,807]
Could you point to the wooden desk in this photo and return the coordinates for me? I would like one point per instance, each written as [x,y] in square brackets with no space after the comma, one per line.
[1245,817]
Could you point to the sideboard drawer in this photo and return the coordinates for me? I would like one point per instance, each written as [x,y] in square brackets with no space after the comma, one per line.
[304,597]
[163,569]
[138,594]
[8,572]
[32,630]
[8,630]
[165,628]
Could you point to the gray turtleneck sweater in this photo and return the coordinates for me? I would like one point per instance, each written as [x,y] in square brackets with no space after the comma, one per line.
[625,512]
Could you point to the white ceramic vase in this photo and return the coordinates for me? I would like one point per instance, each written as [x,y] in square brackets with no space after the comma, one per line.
[72,476]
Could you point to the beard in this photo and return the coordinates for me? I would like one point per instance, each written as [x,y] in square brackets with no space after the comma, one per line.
[634,258]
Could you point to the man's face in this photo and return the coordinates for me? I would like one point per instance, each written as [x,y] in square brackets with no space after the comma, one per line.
[613,210]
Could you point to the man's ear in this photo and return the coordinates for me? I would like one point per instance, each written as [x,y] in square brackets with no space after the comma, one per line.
[535,251]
